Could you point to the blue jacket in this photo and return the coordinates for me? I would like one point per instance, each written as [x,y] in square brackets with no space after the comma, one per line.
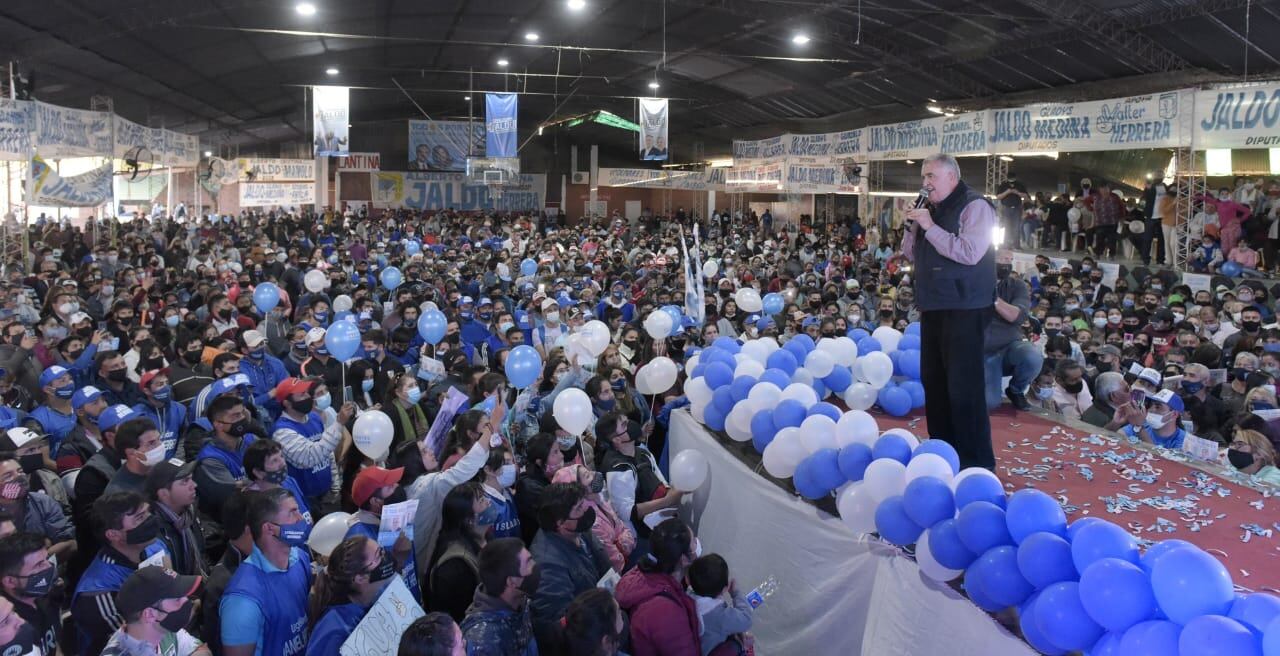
[264,376]
[170,421]
[492,628]
[333,628]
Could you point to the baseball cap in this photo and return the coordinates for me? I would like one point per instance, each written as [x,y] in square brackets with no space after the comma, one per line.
[1163,314]
[764,323]
[290,386]
[253,338]
[147,377]
[1151,376]
[485,301]
[1168,398]
[84,396]
[465,300]
[371,479]
[148,586]
[164,474]
[114,416]
[79,317]
[852,284]
[1109,349]
[52,373]
[810,321]
[16,438]
[315,336]
[549,305]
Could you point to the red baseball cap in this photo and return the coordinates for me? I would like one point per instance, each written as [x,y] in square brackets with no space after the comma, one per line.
[145,379]
[290,386]
[372,479]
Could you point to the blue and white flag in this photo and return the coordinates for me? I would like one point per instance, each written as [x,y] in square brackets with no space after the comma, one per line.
[89,189]
[500,124]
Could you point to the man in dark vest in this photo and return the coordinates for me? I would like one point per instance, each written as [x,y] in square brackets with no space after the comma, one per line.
[950,242]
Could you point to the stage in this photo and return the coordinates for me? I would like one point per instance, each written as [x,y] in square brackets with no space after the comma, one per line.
[841,593]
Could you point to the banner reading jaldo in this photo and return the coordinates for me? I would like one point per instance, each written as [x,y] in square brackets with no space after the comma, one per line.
[65,132]
[709,180]
[500,124]
[17,125]
[1150,121]
[89,189]
[276,170]
[1238,118]
[908,140]
[330,118]
[440,190]
[443,145]
[271,194]
[653,129]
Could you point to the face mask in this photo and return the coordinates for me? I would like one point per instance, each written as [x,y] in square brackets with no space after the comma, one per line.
[304,406]
[1251,326]
[321,316]
[171,321]
[1073,388]
[597,483]
[1099,322]
[143,533]
[117,376]
[1178,317]
[65,392]
[192,357]
[504,327]
[1155,420]
[586,521]
[68,308]
[366,384]
[1072,306]
[322,401]
[1052,332]
[275,477]
[257,354]
[529,584]
[154,456]
[1239,459]
[1044,393]
[414,394]
[300,346]
[566,442]
[1239,373]
[1128,302]
[224,314]
[1274,372]
[163,394]
[179,619]
[17,488]
[507,475]
[295,534]
[607,406]
[40,583]
[1245,298]
[385,569]
[1192,387]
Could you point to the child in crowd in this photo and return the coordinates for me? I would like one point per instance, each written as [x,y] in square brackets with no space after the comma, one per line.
[724,623]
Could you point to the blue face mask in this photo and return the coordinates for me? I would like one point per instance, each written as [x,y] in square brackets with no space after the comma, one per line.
[1128,302]
[322,401]
[171,321]
[163,394]
[607,406]
[301,346]
[322,316]
[65,392]
[465,315]
[619,385]
[1192,387]
[257,353]
[295,534]
[1262,406]
[322,351]
[366,384]
[1271,347]
[415,394]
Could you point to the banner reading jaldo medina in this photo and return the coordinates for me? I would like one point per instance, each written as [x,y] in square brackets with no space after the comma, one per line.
[1238,118]
[273,194]
[277,170]
[909,140]
[1151,121]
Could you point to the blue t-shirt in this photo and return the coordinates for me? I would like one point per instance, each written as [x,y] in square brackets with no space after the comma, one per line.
[267,606]
[56,424]
[1172,442]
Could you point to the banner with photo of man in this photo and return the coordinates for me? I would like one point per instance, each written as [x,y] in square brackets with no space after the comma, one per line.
[443,145]
[653,129]
[330,117]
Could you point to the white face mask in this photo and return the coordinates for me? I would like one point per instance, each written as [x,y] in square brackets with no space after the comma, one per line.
[553,317]
[1156,420]
[153,457]
[507,475]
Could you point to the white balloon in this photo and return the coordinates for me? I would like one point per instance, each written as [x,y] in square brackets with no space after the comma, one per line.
[885,477]
[698,391]
[372,434]
[329,532]
[856,426]
[912,440]
[749,300]
[765,395]
[802,393]
[658,324]
[878,369]
[888,338]
[688,470]
[929,566]
[572,411]
[657,376]
[342,303]
[818,432]
[595,336]
[315,281]
[929,464]
[857,507]
[972,471]
[710,268]
[770,344]
[856,370]
[802,376]
[860,396]
[784,453]
[692,363]
[748,367]
[846,351]
[757,350]
[819,363]
[734,428]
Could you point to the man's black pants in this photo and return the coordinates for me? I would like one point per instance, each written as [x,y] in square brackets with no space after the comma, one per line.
[952,370]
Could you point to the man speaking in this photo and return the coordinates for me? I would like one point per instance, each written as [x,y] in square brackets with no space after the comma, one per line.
[949,241]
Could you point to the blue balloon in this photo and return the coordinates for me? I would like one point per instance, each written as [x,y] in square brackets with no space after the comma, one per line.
[728,344]
[718,374]
[1031,511]
[1045,559]
[343,316]
[266,297]
[1117,594]
[897,367]
[979,597]
[717,354]
[996,572]
[895,401]
[982,526]
[893,524]
[1062,619]
[979,488]
[432,325]
[1190,582]
[910,361]
[778,377]
[826,409]
[412,247]
[741,387]
[1107,645]
[1256,610]
[868,345]
[854,459]
[947,547]
[1031,631]
[788,413]
[524,365]
[714,418]
[528,266]
[805,341]
[698,371]
[819,388]
[806,482]
[773,303]
[1229,268]
[784,361]
[1209,635]
[1151,638]
[915,390]
[762,430]
[391,277]
[1104,540]
[1074,527]
[913,328]
[342,339]
[857,335]
[677,319]
[796,349]
[892,446]
[909,342]
[723,399]
[940,447]
[1155,551]
[928,501]
[841,378]
[826,469]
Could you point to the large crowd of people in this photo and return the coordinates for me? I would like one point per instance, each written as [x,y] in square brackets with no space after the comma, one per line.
[166,447]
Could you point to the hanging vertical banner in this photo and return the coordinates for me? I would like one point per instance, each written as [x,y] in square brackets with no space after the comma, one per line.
[330,116]
[500,124]
[653,129]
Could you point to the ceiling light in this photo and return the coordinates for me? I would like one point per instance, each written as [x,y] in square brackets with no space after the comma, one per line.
[503,62]
[577,5]
[530,36]
[466,97]
[653,84]
[936,109]
[331,71]
[305,8]
[800,39]
[1006,158]
[208,153]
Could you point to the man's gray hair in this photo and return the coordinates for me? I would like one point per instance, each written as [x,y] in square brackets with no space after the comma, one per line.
[943,159]
[1108,382]
[1198,369]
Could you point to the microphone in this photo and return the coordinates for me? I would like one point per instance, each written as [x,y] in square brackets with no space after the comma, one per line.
[921,201]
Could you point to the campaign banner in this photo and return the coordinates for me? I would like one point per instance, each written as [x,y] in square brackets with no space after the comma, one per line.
[330,118]
[272,194]
[764,178]
[965,134]
[89,189]
[276,170]
[1149,121]
[746,153]
[17,124]
[130,135]
[180,149]
[444,145]
[709,180]
[653,129]
[430,190]
[810,149]
[849,143]
[907,140]
[500,124]
[64,132]
[360,162]
[820,179]
[1238,118]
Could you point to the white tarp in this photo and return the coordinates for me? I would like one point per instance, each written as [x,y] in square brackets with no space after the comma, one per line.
[17,125]
[907,140]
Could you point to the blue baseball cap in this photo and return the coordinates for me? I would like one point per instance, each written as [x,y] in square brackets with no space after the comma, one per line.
[114,416]
[53,373]
[810,321]
[465,300]
[84,396]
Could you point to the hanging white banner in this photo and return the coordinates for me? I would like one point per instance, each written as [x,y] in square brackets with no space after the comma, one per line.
[276,170]
[271,194]
[820,179]
[330,117]
[765,177]
[1150,121]
[712,179]
[747,153]
[908,140]
[17,124]
[653,129]
[1238,118]
[89,189]
[64,132]
[181,149]
[965,134]
[130,135]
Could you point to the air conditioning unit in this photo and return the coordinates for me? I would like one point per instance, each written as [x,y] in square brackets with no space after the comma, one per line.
[581,177]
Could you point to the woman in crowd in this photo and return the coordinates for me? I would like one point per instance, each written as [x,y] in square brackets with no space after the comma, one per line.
[664,620]
[615,536]
[357,572]
[466,517]
[408,420]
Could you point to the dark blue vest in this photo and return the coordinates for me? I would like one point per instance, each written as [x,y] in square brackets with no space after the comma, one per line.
[942,283]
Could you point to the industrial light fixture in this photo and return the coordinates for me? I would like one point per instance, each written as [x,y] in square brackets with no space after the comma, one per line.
[503,62]
[530,36]
[800,39]
[466,97]
[305,9]
[1006,158]
[208,153]
[653,85]
[577,5]
[331,71]
[936,109]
